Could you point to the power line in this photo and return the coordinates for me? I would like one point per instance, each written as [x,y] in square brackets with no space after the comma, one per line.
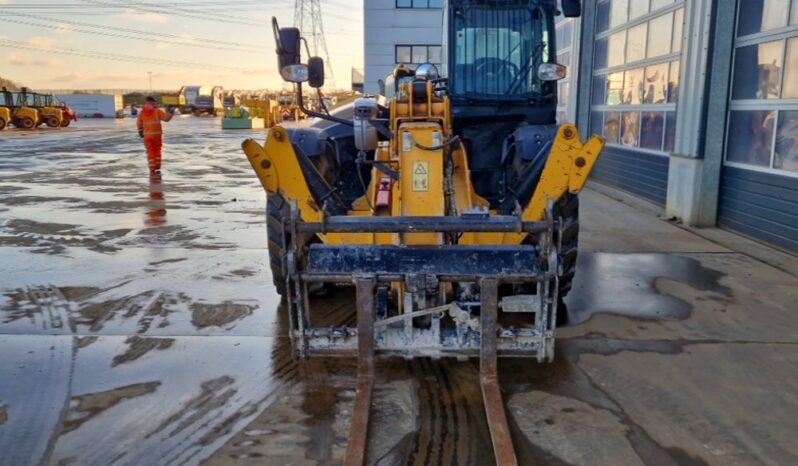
[137,31]
[121,57]
[173,12]
[122,36]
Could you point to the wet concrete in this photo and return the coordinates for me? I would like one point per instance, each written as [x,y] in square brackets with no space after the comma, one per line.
[138,325]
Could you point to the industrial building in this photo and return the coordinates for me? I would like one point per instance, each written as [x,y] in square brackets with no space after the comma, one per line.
[399,31]
[697,99]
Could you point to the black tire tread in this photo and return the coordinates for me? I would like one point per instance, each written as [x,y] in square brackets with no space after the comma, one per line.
[276,210]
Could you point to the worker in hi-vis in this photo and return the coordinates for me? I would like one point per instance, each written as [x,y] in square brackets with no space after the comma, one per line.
[150,128]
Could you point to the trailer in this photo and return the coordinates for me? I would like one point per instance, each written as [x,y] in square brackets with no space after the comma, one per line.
[94,105]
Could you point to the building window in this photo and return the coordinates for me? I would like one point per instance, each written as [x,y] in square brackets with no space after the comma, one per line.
[419,3]
[763,113]
[636,66]
[417,54]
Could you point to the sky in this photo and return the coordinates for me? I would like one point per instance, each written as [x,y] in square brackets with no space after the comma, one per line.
[120,44]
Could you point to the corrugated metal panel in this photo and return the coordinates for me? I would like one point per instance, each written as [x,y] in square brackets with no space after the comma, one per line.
[643,174]
[761,205]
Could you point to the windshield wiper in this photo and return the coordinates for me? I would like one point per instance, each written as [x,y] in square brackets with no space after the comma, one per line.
[533,57]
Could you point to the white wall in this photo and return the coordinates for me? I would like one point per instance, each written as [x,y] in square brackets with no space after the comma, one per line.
[387,26]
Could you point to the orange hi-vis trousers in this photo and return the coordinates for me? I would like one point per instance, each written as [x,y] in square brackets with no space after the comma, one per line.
[154,143]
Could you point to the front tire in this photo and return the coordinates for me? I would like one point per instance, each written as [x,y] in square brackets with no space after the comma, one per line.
[277,210]
[53,122]
[567,238]
[65,122]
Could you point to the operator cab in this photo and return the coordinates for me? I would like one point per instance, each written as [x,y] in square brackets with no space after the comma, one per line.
[499,58]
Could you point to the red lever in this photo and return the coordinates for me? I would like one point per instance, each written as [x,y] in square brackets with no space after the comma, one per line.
[384,193]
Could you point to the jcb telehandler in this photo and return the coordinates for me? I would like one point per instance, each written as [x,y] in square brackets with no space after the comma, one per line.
[21,115]
[452,208]
[67,112]
[51,116]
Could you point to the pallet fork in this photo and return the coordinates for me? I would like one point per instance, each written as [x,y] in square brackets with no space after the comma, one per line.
[372,268]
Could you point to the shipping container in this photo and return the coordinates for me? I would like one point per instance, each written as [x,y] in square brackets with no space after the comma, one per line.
[94,105]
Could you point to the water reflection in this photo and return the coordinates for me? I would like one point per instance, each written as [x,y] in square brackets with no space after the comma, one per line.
[156,208]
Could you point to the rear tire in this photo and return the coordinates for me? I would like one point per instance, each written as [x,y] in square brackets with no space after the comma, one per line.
[2,124]
[277,210]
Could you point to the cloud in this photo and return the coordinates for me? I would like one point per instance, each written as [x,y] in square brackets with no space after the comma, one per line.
[67,78]
[17,59]
[41,42]
[143,17]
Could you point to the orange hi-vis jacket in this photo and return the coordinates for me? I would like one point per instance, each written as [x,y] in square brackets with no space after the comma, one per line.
[149,120]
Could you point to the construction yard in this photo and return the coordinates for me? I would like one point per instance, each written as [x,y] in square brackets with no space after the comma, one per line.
[139,325]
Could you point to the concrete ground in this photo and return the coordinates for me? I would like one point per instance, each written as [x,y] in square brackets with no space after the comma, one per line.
[138,325]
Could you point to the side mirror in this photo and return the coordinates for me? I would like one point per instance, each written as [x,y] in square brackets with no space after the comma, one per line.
[571,8]
[316,72]
[289,57]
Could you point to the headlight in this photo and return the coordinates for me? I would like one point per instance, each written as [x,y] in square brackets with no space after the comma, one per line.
[295,73]
[551,72]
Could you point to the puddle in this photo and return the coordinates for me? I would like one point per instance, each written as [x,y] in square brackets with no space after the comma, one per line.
[626,284]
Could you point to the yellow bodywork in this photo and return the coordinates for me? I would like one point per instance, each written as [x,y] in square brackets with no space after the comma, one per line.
[50,115]
[21,113]
[5,117]
[267,109]
[422,187]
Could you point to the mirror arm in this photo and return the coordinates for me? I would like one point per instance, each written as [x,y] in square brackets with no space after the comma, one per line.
[301,101]
[321,101]
[307,47]
[276,30]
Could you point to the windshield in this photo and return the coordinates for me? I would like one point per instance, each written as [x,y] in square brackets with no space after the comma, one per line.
[27,100]
[496,49]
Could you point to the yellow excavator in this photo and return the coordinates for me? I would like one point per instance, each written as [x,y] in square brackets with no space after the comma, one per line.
[450,203]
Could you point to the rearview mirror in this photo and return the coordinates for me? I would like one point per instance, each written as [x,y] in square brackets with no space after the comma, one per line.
[316,72]
[288,51]
[571,8]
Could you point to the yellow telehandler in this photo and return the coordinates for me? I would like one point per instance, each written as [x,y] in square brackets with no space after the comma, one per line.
[450,204]
[21,115]
[51,116]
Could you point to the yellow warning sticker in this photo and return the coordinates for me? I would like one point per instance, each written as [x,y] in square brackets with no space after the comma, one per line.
[421,176]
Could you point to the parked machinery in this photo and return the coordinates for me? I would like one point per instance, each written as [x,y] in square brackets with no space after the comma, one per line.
[5,112]
[209,101]
[289,108]
[51,116]
[21,115]
[175,102]
[452,209]
[67,112]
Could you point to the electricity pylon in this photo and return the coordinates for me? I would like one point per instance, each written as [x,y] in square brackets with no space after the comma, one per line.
[307,17]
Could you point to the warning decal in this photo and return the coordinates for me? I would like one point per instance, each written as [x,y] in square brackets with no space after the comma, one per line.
[421,176]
